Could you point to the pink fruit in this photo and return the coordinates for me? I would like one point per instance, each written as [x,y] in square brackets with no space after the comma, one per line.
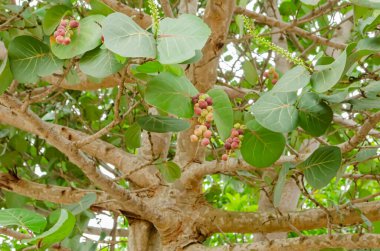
[208,125]
[203,104]
[274,81]
[225,157]
[66,41]
[234,145]
[209,117]
[209,100]
[198,132]
[234,133]
[193,138]
[207,134]
[74,24]
[63,22]
[227,146]
[236,139]
[266,74]
[229,140]
[241,131]
[59,39]
[198,111]
[61,27]
[205,142]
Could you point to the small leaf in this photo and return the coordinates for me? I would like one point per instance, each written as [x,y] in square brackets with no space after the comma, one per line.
[133,136]
[53,17]
[276,111]
[374,4]
[326,76]
[6,75]
[292,80]
[314,115]
[223,113]
[277,193]
[321,166]
[250,73]
[85,38]
[124,37]
[23,218]
[99,63]
[31,59]
[150,67]
[170,171]
[98,7]
[180,38]
[84,204]
[160,124]
[59,231]
[261,147]
[171,94]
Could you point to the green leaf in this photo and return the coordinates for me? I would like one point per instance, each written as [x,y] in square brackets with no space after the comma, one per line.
[363,48]
[373,4]
[223,113]
[150,67]
[53,17]
[261,147]
[365,104]
[98,7]
[160,124]
[321,166]
[124,37]
[23,218]
[85,38]
[133,136]
[314,115]
[84,204]
[31,59]
[365,154]
[292,80]
[180,38]
[250,73]
[276,111]
[369,24]
[198,56]
[170,171]
[6,75]
[372,89]
[277,193]
[59,231]
[99,63]
[171,94]
[326,76]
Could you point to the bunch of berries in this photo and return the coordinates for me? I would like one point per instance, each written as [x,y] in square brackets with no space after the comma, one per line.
[272,75]
[204,111]
[234,141]
[65,31]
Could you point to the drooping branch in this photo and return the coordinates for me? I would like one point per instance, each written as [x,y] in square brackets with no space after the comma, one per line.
[288,27]
[348,241]
[240,222]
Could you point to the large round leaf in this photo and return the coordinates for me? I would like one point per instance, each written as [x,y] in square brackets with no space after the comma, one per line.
[314,115]
[171,94]
[53,17]
[276,111]
[321,166]
[223,113]
[261,147]
[291,81]
[161,124]
[326,76]
[124,37]
[179,39]
[99,63]
[85,38]
[30,58]
[6,75]
[22,218]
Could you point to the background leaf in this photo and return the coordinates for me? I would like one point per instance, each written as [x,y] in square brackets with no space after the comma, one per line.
[154,123]
[292,80]
[133,136]
[23,218]
[277,192]
[84,204]
[170,171]
[53,17]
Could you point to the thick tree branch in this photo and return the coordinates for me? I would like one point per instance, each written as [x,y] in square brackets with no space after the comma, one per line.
[240,222]
[288,27]
[348,241]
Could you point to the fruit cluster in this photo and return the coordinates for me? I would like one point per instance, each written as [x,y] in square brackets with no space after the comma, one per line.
[204,111]
[65,31]
[271,74]
[234,141]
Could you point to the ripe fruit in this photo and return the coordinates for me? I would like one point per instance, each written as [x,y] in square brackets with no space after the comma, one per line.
[224,157]
[227,146]
[198,132]
[74,24]
[65,31]
[205,142]
[207,134]
[193,138]
[234,145]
